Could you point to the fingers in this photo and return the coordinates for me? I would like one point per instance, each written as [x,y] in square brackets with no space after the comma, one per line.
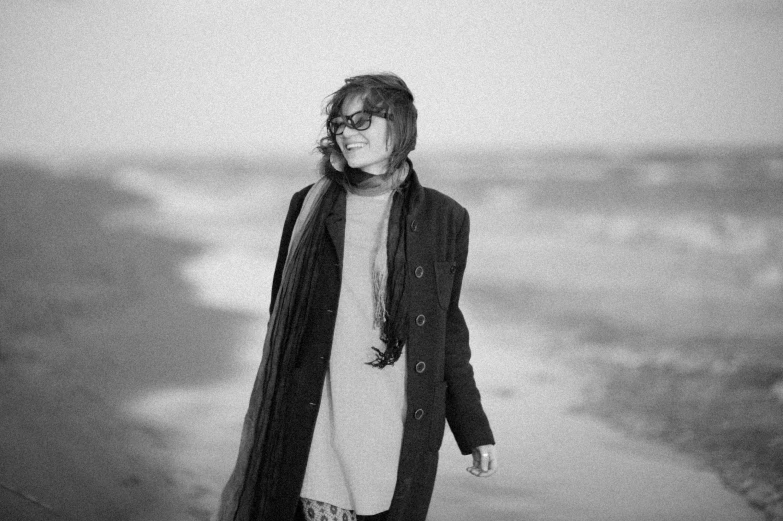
[476,464]
[484,461]
[492,465]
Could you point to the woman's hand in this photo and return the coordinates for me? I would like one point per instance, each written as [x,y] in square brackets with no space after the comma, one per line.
[485,461]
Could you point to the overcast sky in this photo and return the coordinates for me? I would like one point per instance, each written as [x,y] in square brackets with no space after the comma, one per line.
[251,76]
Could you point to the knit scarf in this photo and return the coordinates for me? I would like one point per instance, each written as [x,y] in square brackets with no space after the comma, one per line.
[260,451]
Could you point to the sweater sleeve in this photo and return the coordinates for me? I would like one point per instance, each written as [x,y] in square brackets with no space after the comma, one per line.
[466,416]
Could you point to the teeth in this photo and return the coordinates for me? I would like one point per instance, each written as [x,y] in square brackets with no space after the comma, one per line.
[354,145]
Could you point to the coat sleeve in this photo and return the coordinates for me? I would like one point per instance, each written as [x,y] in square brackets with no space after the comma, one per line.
[464,412]
[288,228]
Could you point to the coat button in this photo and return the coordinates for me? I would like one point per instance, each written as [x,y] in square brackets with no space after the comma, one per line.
[420,367]
[418,414]
[420,320]
[419,272]
[453,268]
[414,225]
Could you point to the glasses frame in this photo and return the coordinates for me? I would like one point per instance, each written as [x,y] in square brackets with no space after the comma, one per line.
[348,121]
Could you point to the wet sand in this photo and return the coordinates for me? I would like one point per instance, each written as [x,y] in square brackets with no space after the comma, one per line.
[142,406]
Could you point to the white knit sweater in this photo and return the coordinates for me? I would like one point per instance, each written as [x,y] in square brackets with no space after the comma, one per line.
[358,434]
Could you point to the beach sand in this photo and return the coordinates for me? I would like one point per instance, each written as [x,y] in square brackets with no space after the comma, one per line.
[123,394]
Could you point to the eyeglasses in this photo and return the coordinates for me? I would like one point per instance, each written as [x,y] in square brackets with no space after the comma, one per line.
[358,121]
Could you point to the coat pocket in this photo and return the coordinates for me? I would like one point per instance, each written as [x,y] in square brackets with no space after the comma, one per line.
[438,424]
[444,279]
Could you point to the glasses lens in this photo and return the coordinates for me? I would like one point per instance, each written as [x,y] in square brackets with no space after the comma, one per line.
[358,121]
[361,120]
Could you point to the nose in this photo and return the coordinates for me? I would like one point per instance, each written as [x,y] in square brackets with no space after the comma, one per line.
[348,131]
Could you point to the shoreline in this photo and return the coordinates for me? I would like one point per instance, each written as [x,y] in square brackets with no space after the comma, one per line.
[744,457]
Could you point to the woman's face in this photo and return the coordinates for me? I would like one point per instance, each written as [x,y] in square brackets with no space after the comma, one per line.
[367,149]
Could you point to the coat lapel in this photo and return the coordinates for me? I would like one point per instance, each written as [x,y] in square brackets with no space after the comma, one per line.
[417,197]
[335,224]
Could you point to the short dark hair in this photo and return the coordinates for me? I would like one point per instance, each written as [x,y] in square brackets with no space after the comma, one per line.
[383,92]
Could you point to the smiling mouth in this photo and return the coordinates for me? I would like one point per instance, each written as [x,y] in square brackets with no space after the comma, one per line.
[354,146]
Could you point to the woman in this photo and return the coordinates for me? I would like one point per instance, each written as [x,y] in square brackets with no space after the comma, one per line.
[367,351]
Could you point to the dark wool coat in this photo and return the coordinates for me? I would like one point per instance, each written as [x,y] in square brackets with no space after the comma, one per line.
[440,383]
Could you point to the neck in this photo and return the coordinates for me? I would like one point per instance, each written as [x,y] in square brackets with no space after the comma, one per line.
[362,183]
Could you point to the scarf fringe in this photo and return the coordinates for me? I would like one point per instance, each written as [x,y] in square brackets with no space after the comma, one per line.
[380,272]
[379,295]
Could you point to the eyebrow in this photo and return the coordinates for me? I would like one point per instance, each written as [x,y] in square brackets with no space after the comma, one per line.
[351,115]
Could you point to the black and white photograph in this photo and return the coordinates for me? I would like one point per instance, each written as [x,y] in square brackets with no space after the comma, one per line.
[391,261]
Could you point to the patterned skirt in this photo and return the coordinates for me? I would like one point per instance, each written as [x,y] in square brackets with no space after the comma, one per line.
[320,511]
